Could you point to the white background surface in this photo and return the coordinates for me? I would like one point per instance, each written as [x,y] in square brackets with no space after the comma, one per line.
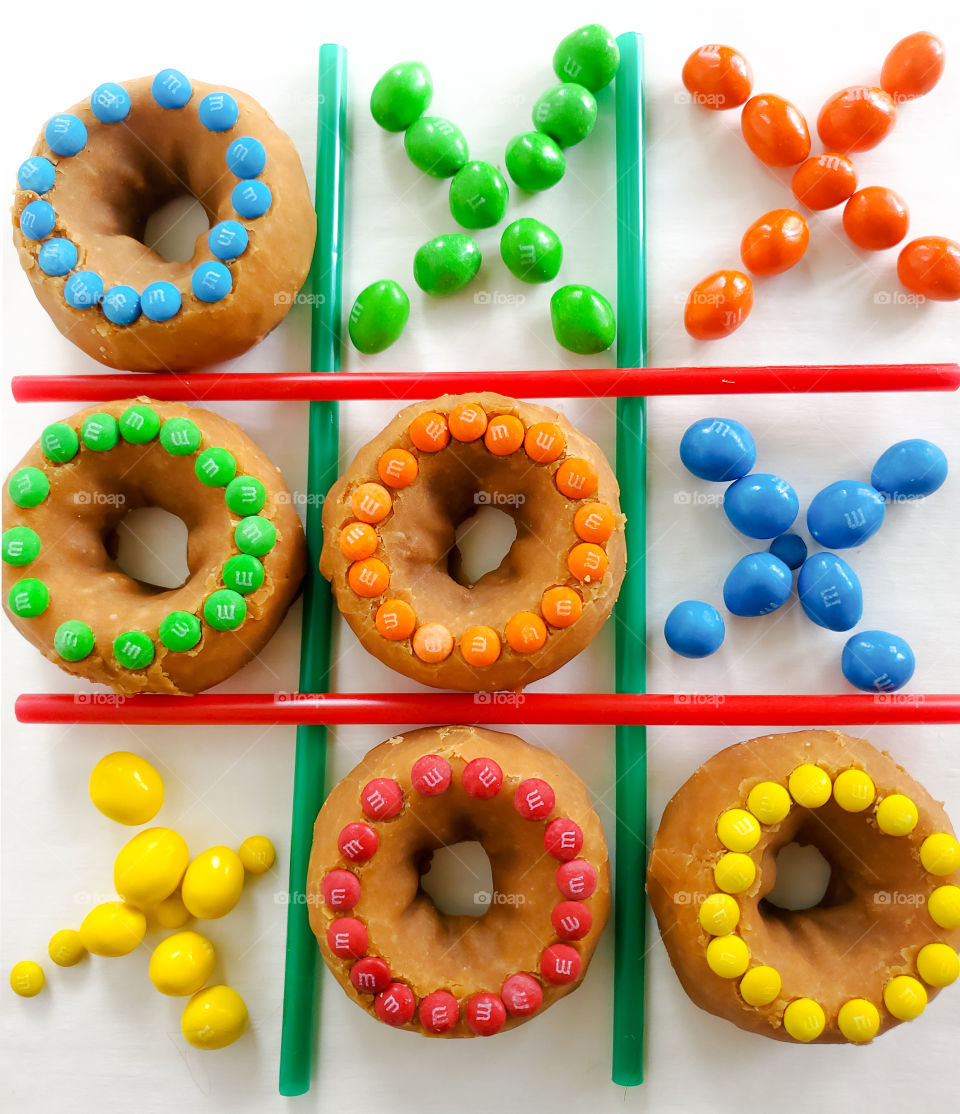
[99,1037]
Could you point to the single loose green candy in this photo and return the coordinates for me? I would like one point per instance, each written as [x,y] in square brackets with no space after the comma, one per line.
[582,319]
[566,113]
[73,641]
[139,424]
[436,146]
[401,96]
[531,250]
[215,467]
[59,443]
[256,535]
[28,597]
[243,574]
[180,436]
[589,56]
[100,432]
[20,545]
[378,316]
[28,487]
[535,161]
[225,609]
[478,195]
[179,630]
[133,650]
[446,264]
[245,495]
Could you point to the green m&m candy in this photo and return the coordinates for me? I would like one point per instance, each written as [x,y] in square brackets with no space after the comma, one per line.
[28,597]
[215,467]
[478,195]
[255,534]
[28,487]
[243,574]
[582,319]
[139,424]
[100,432]
[20,545]
[74,640]
[225,609]
[179,630]
[534,161]
[589,56]
[133,650]
[446,264]
[245,495]
[180,436]
[401,96]
[378,316]
[59,442]
[566,113]
[531,250]
[436,146]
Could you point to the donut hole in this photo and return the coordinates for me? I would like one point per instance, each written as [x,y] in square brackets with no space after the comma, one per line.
[483,540]
[803,878]
[173,227]
[149,544]
[458,879]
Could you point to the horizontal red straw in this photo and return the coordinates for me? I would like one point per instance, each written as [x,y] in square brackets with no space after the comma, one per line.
[597,383]
[653,709]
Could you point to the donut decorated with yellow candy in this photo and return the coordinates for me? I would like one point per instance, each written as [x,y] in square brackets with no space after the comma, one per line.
[884,938]
[391,556]
[62,506]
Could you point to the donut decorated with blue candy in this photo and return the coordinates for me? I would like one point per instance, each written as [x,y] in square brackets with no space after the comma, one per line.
[98,172]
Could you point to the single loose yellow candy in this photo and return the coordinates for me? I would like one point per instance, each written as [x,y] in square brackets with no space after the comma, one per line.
[940,854]
[809,786]
[113,928]
[735,872]
[938,964]
[905,997]
[897,815]
[858,1019]
[728,956]
[719,914]
[804,1019]
[760,985]
[182,963]
[257,854]
[944,906]
[854,791]
[126,788]
[738,830]
[214,1018]
[149,867]
[213,883]
[66,948]
[27,978]
[769,802]
[169,913]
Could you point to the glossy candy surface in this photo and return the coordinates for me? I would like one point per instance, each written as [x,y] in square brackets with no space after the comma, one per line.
[113,929]
[845,514]
[446,264]
[877,661]
[149,866]
[531,250]
[717,77]
[718,305]
[876,218]
[756,585]
[436,146]
[214,1018]
[182,963]
[582,318]
[401,96]
[27,978]
[761,505]
[913,67]
[910,469]
[694,629]
[478,195]
[213,883]
[856,119]
[718,449]
[566,113]
[824,181]
[930,267]
[774,242]
[790,548]
[775,130]
[590,56]
[830,592]
[378,316]
[535,161]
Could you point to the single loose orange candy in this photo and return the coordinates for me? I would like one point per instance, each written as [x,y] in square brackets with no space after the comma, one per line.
[358,540]
[824,181]
[577,478]
[931,266]
[525,632]
[876,218]
[371,502]
[369,577]
[398,468]
[718,305]
[544,442]
[587,562]
[480,646]
[717,77]
[504,435]
[429,432]
[856,119]
[775,130]
[432,642]
[913,66]
[775,242]
[561,606]
[468,421]
[396,620]
[594,522]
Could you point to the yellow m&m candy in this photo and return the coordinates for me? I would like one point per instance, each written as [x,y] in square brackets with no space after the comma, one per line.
[149,867]
[735,872]
[940,854]
[182,963]
[905,997]
[897,815]
[769,802]
[113,929]
[214,1018]
[760,985]
[27,978]
[126,788]
[858,1020]
[738,830]
[66,948]
[938,964]
[944,906]
[854,791]
[169,913]
[804,1019]
[719,914]
[728,956]
[809,786]
[257,854]
[213,883]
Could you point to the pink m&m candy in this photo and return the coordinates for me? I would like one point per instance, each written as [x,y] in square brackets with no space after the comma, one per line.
[482,778]
[560,964]
[370,974]
[486,1014]
[534,799]
[340,889]
[381,798]
[358,842]
[522,995]
[563,838]
[571,920]
[431,775]
[439,1012]
[347,938]
[395,1005]
[576,879]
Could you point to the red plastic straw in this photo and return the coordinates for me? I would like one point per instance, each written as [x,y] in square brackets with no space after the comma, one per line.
[401,385]
[652,709]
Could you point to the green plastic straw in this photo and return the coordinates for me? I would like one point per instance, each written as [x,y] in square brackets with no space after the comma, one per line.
[631,742]
[300,981]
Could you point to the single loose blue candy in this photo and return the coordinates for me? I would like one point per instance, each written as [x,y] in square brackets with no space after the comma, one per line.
[246,157]
[830,592]
[37,220]
[218,112]
[877,661]
[65,134]
[761,505]
[58,256]
[211,282]
[121,305]
[757,584]
[910,470]
[110,103]
[160,301]
[36,173]
[228,239]
[171,89]
[790,548]
[845,514]
[83,289]
[694,629]
[251,199]
[718,449]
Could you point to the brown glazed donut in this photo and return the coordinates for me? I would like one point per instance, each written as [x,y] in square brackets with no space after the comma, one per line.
[80,238]
[65,593]
[880,943]
[390,551]
[381,935]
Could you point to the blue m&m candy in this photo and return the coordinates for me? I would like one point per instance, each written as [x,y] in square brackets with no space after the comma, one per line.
[160,301]
[761,505]
[877,661]
[37,220]
[718,449]
[246,157]
[58,256]
[251,199]
[211,282]
[65,134]
[110,103]
[121,305]
[830,592]
[845,514]
[910,470]
[790,548]
[36,173]
[171,89]
[218,112]
[757,584]
[84,289]
[228,239]
[694,629]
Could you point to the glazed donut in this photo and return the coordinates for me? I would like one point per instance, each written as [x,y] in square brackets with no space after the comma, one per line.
[383,938]
[883,939]
[65,593]
[390,551]
[100,170]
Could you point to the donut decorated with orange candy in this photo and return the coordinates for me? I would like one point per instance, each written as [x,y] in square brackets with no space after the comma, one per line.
[391,555]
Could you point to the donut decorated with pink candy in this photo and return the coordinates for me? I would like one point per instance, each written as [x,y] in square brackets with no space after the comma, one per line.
[392,950]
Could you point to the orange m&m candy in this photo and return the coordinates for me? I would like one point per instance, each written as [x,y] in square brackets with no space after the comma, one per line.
[876,218]
[468,421]
[594,522]
[504,435]
[544,442]
[480,646]
[824,181]
[525,632]
[371,502]
[358,540]
[587,562]
[577,478]
[432,642]
[429,432]
[561,606]
[369,577]
[398,468]
[396,620]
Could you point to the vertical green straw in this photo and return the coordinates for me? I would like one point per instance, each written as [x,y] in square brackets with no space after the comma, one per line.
[631,742]
[300,981]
